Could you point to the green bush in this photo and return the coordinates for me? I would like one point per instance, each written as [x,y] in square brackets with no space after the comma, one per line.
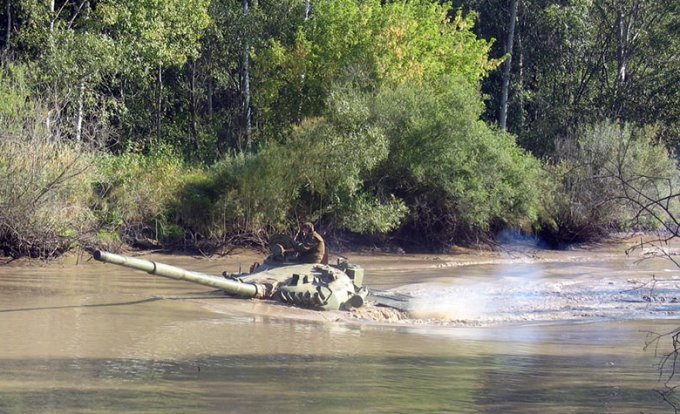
[241,194]
[134,193]
[44,179]
[16,106]
[317,175]
[416,155]
[603,181]
[458,176]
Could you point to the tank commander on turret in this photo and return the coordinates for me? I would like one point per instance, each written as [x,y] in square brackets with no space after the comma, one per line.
[311,247]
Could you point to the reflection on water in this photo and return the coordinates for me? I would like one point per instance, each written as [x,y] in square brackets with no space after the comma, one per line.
[97,339]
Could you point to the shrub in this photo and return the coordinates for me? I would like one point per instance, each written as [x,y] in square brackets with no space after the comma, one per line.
[416,153]
[15,105]
[317,175]
[134,193]
[602,180]
[458,176]
[44,197]
[44,179]
[241,194]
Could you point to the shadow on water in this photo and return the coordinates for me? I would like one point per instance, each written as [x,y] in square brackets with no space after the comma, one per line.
[102,305]
[94,305]
[288,383]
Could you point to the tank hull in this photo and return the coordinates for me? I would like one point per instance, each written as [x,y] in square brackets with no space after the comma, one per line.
[313,286]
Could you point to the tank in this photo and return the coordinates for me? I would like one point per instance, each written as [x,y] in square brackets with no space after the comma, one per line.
[315,286]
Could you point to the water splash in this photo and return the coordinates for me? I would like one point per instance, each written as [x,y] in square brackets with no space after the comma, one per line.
[514,299]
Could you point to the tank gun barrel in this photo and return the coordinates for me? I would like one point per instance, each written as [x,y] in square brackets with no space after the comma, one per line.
[247,290]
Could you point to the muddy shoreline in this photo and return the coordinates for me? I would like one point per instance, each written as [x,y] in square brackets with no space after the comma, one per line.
[515,251]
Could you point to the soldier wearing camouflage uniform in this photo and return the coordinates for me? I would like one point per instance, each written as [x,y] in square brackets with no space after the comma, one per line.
[311,248]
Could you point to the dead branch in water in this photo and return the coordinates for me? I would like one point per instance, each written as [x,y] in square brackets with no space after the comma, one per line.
[656,200]
[668,365]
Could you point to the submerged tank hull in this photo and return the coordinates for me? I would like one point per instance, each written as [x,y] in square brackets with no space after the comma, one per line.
[314,286]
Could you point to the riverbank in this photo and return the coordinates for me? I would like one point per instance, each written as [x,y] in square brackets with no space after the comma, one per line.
[511,250]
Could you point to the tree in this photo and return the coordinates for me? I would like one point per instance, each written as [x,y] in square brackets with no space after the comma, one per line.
[507,66]
[92,54]
[154,35]
[459,178]
[366,43]
[231,36]
[580,62]
[8,27]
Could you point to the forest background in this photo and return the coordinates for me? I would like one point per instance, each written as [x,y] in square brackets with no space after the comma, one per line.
[199,124]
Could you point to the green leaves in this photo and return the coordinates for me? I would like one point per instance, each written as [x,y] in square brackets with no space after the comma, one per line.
[372,112]
[580,62]
[368,44]
[365,114]
[443,156]
[156,32]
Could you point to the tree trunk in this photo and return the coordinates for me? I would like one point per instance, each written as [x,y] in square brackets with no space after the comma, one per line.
[52,16]
[48,123]
[246,80]
[8,35]
[79,121]
[625,21]
[308,9]
[620,51]
[193,128]
[211,86]
[159,102]
[520,82]
[503,117]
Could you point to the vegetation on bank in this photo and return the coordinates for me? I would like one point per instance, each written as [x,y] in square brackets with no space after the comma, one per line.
[197,124]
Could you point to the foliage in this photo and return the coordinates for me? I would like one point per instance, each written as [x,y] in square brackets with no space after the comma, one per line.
[44,202]
[156,33]
[134,190]
[604,180]
[371,160]
[363,115]
[456,175]
[99,62]
[316,176]
[15,99]
[154,37]
[579,62]
[333,155]
[369,44]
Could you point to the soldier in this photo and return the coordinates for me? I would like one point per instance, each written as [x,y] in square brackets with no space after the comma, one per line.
[311,248]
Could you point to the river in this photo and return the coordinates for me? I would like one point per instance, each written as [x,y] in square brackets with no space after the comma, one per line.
[511,332]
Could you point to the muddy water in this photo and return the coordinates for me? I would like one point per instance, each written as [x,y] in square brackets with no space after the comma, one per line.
[527,332]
